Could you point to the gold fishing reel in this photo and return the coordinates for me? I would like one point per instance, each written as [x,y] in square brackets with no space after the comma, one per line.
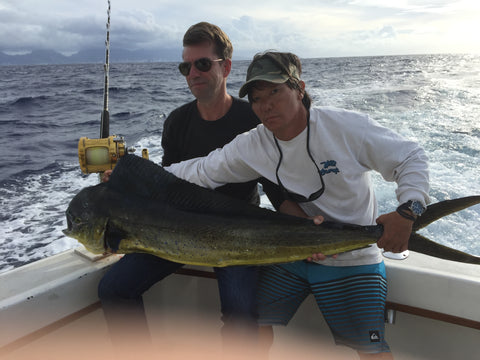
[98,155]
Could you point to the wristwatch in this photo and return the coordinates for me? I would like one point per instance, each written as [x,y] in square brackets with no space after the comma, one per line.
[415,206]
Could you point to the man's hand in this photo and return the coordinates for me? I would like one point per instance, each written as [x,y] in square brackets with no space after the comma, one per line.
[317,219]
[396,232]
[318,256]
[292,208]
[106,175]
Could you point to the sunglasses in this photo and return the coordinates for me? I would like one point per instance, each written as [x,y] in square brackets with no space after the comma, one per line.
[202,64]
[298,197]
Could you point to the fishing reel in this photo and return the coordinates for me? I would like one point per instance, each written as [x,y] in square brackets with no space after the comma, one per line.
[98,155]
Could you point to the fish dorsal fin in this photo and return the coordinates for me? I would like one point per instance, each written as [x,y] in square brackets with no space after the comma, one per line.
[137,176]
[444,208]
[140,177]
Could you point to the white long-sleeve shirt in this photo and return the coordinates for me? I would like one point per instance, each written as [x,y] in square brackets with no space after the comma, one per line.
[345,146]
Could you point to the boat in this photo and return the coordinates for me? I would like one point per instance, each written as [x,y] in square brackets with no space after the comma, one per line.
[50,309]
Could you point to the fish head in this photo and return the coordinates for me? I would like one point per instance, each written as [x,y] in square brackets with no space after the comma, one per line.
[87,219]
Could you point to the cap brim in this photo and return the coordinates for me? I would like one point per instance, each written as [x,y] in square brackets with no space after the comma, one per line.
[272,78]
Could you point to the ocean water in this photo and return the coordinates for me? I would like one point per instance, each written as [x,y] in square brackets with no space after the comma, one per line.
[44,110]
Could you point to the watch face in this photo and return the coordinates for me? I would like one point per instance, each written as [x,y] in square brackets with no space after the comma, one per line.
[417,208]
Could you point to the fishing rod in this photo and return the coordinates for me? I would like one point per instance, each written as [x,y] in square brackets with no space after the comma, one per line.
[105,120]
[99,155]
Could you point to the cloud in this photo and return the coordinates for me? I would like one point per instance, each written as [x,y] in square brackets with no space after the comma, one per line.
[310,29]
[22,29]
[141,29]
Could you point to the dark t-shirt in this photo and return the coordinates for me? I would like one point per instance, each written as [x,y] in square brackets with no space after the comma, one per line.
[186,135]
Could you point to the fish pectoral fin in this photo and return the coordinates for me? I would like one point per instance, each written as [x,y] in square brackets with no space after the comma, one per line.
[112,237]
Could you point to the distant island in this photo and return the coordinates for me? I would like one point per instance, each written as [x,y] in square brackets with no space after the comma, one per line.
[97,55]
[41,57]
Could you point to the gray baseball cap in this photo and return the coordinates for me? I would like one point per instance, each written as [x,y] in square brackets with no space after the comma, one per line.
[268,67]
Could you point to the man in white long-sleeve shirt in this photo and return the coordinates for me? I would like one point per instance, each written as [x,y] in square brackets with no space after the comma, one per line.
[321,158]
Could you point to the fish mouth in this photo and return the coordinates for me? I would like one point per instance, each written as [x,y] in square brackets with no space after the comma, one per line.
[68,231]
[69,216]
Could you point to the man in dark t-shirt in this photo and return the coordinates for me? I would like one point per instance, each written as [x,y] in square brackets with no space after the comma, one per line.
[187,135]
[210,121]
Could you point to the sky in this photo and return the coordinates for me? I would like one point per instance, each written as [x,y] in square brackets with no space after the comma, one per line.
[308,28]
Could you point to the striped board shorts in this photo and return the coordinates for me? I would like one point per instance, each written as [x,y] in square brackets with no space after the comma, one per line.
[351,299]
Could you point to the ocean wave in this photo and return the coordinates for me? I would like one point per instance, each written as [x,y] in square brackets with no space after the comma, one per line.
[116,89]
[45,110]
[29,100]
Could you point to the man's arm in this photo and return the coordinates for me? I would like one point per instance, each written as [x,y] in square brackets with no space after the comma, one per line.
[170,145]
[404,162]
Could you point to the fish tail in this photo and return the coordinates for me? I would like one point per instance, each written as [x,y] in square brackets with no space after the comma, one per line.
[421,244]
[444,208]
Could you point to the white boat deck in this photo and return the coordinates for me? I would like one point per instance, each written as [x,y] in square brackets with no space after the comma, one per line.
[54,301]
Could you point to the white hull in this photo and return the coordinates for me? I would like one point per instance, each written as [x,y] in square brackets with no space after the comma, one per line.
[53,302]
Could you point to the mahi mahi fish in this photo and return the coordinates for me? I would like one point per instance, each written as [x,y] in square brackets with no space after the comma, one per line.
[144,208]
